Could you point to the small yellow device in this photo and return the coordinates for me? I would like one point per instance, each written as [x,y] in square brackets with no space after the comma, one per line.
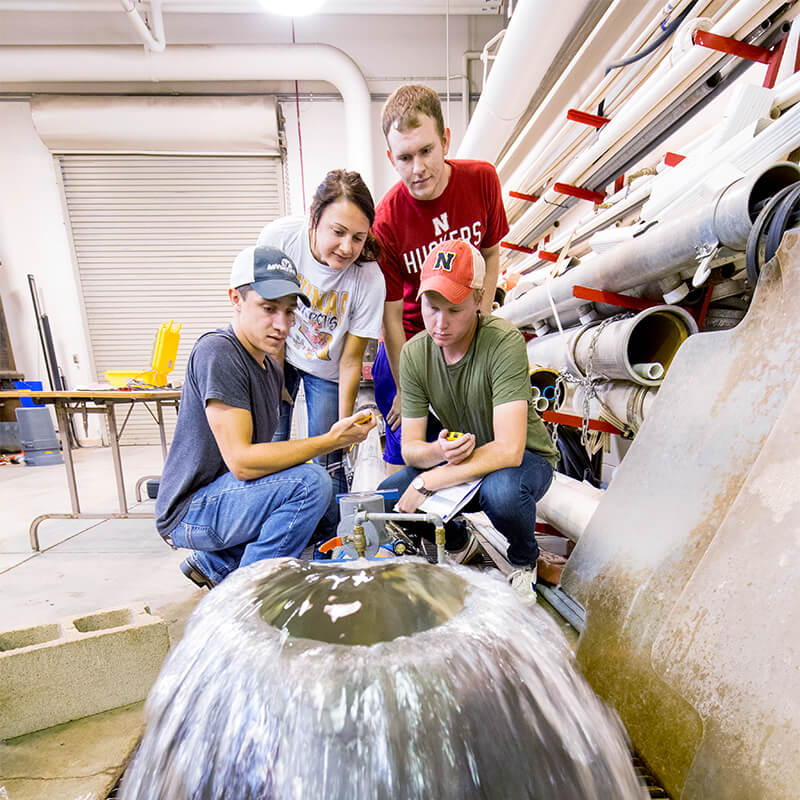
[453,435]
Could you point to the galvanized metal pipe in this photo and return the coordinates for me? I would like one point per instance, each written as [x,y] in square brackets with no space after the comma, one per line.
[434,519]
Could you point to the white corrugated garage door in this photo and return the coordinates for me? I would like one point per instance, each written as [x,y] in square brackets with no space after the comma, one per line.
[154,238]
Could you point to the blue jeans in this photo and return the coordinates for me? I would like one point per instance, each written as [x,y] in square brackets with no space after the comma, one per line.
[508,497]
[232,523]
[322,406]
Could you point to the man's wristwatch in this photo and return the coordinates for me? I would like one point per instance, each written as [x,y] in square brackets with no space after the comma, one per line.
[419,484]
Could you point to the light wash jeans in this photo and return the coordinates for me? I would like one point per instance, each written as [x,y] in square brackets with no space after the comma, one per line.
[232,523]
[507,496]
[322,406]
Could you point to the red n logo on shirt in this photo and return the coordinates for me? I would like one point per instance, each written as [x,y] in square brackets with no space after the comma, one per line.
[444,261]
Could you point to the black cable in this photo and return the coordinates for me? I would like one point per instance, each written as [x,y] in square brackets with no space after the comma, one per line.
[777,215]
[668,31]
[780,221]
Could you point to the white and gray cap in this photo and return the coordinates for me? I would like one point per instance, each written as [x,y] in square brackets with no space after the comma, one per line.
[269,271]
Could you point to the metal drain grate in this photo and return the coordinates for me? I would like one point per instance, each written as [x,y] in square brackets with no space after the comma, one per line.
[653,787]
[115,792]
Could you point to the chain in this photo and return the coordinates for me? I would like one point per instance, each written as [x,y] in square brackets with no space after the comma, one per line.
[588,383]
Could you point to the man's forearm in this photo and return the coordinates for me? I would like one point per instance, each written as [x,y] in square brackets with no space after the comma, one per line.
[267,458]
[483,460]
[422,455]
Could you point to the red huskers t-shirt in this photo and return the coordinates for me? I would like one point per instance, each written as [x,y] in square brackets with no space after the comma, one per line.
[470,208]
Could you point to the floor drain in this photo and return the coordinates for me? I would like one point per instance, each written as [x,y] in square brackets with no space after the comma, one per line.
[653,787]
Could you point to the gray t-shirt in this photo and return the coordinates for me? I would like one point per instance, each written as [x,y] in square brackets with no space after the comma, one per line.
[219,368]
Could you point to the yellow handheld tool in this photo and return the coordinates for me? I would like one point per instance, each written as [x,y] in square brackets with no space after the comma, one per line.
[453,435]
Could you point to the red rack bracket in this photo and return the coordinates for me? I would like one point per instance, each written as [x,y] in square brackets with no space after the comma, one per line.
[544,527]
[700,315]
[576,422]
[546,255]
[774,63]
[577,191]
[673,159]
[613,299]
[726,44]
[531,198]
[619,183]
[520,248]
[584,118]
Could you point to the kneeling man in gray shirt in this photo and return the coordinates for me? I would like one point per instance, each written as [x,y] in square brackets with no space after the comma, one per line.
[228,492]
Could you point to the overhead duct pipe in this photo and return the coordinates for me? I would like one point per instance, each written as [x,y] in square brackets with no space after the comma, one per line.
[24,67]
[615,349]
[568,505]
[660,249]
[518,71]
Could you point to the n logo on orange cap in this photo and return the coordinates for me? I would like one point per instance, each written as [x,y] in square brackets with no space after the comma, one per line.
[444,261]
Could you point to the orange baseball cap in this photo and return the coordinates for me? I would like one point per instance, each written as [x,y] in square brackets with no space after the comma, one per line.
[453,269]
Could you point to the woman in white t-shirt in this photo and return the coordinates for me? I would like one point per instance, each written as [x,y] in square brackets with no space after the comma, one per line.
[334,252]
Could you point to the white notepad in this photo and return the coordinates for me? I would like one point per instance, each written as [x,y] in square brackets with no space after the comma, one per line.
[448,502]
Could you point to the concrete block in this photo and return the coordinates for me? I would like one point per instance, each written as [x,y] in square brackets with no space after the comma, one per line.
[54,673]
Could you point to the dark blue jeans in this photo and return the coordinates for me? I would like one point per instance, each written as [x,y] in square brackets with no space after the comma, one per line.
[232,523]
[508,497]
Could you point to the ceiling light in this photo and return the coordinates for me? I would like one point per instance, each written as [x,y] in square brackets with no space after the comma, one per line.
[292,8]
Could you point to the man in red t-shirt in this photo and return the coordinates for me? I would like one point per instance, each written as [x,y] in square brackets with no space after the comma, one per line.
[435,200]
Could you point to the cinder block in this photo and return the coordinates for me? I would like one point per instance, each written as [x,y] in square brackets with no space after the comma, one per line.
[63,671]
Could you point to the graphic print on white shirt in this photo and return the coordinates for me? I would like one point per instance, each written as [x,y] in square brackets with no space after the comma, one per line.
[315,326]
[342,301]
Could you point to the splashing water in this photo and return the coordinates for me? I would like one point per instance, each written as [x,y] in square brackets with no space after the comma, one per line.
[374,681]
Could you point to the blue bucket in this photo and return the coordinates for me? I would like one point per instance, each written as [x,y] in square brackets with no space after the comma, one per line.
[34,386]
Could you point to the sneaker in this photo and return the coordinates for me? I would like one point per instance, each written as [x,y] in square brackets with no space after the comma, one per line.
[523,582]
[467,553]
[195,575]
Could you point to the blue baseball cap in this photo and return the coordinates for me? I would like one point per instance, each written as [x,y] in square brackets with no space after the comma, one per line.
[269,271]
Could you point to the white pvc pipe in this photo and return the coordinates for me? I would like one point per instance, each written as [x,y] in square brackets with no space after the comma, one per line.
[153,39]
[25,66]
[650,372]
[568,505]
[534,37]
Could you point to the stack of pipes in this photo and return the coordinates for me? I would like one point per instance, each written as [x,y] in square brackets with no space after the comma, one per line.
[623,360]
[679,219]
[631,98]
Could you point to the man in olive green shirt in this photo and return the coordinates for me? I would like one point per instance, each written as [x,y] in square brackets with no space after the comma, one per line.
[472,371]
